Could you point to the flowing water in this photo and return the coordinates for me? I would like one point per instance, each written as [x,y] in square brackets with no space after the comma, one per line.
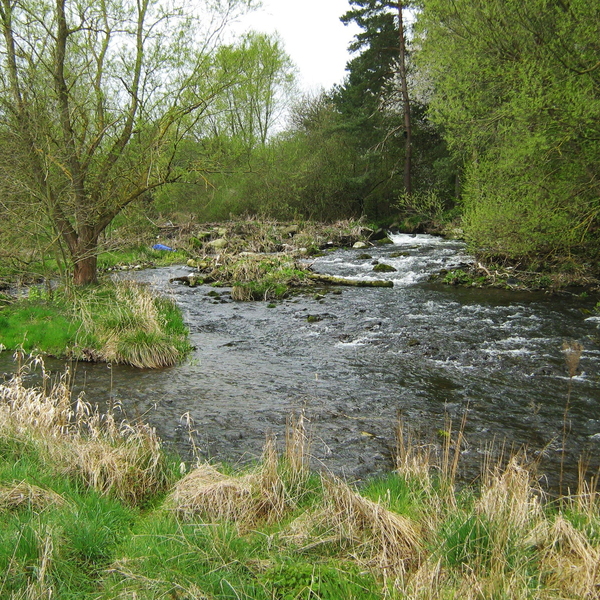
[420,351]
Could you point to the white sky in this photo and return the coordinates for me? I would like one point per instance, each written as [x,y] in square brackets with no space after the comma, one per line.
[313,35]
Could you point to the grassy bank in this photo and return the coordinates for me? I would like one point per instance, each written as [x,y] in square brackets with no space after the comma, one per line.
[494,275]
[90,508]
[116,322]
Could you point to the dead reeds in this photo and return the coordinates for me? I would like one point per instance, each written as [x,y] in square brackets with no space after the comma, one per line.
[122,459]
[26,495]
[373,534]
[264,494]
[126,325]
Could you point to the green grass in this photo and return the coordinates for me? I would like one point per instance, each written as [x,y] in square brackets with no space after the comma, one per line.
[113,322]
[38,326]
[70,540]
[144,256]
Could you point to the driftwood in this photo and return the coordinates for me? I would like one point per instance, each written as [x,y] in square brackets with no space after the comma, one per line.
[331,280]
[193,280]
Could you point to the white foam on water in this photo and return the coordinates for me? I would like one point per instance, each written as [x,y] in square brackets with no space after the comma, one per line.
[419,239]
[455,364]
[361,341]
[409,278]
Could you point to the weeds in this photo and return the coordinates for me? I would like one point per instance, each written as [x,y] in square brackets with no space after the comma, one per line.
[124,460]
[572,351]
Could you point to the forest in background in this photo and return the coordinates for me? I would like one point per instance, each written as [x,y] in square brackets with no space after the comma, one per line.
[119,115]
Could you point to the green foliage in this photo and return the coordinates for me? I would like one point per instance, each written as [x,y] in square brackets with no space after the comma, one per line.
[516,88]
[295,580]
[423,204]
[457,277]
[467,542]
[93,529]
[394,492]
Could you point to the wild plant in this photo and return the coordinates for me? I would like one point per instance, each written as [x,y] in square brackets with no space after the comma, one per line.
[121,459]
[572,351]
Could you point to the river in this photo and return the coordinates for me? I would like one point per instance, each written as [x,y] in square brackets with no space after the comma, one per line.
[420,351]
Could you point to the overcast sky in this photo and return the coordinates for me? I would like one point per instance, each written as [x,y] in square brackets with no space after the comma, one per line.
[314,37]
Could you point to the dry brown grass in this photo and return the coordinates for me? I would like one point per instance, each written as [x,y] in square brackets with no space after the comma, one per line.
[128,327]
[570,563]
[377,536]
[122,459]
[264,494]
[25,495]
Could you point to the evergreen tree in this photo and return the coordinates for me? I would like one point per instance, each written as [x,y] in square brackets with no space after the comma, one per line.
[391,131]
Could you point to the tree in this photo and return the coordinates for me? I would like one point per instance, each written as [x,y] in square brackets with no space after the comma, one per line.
[95,98]
[263,82]
[516,87]
[382,61]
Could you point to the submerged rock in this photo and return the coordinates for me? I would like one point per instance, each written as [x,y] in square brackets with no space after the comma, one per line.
[383,268]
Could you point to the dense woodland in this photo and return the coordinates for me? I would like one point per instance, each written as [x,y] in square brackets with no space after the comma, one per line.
[485,113]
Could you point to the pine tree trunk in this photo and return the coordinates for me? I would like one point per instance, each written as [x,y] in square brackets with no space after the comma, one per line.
[406,105]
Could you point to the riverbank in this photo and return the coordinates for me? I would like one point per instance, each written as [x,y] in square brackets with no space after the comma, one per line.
[120,322]
[481,274]
[95,508]
[117,322]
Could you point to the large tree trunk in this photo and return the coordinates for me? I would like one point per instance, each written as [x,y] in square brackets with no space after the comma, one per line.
[406,104]
[84,270]
[85,258]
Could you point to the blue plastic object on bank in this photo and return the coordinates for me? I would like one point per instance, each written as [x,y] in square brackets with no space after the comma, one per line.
[162,247]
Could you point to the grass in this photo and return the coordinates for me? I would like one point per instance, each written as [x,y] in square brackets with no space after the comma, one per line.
[120,322]
[139,256]
[49,326]
[90,508]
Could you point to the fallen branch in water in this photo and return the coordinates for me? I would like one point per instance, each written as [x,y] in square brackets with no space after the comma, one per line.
[331,280]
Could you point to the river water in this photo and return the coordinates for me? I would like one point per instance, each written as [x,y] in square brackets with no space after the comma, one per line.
[420,351]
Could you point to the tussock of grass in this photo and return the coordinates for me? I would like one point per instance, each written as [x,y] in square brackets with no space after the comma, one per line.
[26,495]
[267,493]
[124,460]
[128,324]
[367,530]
